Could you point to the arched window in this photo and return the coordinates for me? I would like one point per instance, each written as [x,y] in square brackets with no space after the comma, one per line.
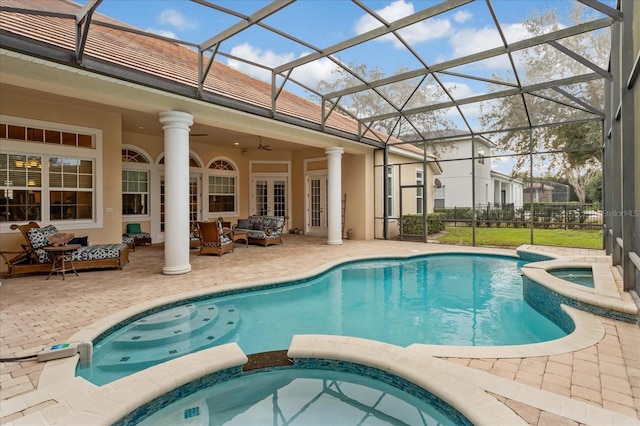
[131,156]
[193,162]
[222,190]
[135,183]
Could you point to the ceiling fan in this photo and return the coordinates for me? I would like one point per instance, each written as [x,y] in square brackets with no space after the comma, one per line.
[265,147]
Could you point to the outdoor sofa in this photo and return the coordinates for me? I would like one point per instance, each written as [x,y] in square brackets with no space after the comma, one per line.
[264,230]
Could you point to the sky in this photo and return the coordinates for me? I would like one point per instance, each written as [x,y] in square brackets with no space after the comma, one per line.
[323,23]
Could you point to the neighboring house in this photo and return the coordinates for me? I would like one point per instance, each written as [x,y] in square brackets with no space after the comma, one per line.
[545,192]
[121,139]
[453,186]
[507,190]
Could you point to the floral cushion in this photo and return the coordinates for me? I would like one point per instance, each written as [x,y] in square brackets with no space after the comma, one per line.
[224,240]
[139,235]
[39,237]
[97,252]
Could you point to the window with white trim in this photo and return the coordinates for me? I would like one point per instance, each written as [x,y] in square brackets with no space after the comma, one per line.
[390,191]
[135,183]
[20,187]
[419,190]
[69,195]
[222,188]
[71,188]
[46,183]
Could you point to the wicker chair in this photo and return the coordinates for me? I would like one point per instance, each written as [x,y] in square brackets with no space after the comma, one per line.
[213,239]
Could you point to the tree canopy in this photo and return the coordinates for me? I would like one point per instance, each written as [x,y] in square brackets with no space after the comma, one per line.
[384,99]
[569,150]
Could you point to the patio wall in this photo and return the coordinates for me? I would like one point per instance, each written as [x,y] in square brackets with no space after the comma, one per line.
[31,105]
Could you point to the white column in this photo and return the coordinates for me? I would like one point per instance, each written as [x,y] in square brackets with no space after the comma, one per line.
[176,126]
[334,194]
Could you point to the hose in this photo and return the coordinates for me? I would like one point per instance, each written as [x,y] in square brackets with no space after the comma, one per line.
[18,358]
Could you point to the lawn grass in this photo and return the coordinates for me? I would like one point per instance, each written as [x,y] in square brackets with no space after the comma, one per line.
[513,237]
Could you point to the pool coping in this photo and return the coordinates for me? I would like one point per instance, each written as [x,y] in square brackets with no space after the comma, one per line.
[78,401]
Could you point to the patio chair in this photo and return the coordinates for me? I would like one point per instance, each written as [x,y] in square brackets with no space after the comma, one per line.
[139,237]
[36,259]
[213,239]
[23,261]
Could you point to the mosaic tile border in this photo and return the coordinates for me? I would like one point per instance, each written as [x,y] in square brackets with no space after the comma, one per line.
[387,378]
[548,302]
[164,400]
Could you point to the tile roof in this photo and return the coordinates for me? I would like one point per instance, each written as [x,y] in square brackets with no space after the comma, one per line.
[159,58]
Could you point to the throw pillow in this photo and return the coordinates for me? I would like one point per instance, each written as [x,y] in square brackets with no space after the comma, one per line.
[134,228]
[83,241]
[257,226]
[244,224]
[273,225]
[39,237]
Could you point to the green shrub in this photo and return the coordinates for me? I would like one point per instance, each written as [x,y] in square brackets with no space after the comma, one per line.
[412,223]
[435,223]
[455,213]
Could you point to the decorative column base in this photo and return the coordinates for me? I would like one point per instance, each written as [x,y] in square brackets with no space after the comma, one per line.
[173,270]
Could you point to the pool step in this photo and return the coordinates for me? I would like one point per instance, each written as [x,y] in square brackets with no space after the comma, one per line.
[142,348]
[168,327]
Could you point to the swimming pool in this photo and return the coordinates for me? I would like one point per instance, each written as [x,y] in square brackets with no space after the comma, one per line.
[444,299]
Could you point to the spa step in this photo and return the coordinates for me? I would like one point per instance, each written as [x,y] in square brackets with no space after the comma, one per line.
[214,332]
[169,326]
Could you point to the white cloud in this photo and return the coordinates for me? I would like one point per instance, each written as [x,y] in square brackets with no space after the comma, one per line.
[416,33]
[503,164]
[176,19]
[309,74]
[459,90]
[312,73]
[164,33]
[462,16]
[468,41]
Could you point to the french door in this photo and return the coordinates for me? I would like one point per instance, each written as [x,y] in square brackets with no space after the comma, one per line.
[317,219]
[269,196]
[194,200]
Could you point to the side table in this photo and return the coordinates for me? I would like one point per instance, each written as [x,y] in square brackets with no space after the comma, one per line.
[62,258]
[239,236]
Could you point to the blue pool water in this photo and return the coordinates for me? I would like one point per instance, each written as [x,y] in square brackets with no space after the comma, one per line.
[454,299]
[580,276]
[301,397]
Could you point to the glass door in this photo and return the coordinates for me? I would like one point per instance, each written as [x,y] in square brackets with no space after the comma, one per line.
[317,219]
[270,196]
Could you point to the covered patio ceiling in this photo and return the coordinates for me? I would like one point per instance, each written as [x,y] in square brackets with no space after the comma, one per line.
[456,85]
